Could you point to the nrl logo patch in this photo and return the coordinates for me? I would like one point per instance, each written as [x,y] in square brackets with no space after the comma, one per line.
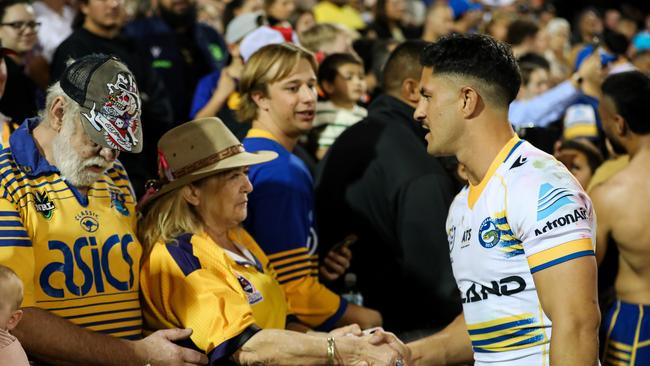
[43,204]
[119,202]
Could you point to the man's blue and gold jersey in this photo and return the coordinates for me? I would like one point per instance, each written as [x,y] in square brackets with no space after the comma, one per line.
[280,218]
[78,257]
[224,297]
[527,214]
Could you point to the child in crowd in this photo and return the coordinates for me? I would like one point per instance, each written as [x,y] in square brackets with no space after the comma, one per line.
[581,157]
[342,79]
[11,296]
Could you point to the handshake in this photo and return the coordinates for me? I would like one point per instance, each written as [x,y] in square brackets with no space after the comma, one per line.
[350,345]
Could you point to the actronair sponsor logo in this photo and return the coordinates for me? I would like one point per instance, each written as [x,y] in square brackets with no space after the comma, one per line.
[550,199]
[570,218]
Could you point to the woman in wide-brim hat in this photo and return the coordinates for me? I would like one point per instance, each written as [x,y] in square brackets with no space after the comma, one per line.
[202,270]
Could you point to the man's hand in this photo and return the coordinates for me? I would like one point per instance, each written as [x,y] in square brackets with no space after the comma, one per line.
[336,263]
[159,350]
[380,337]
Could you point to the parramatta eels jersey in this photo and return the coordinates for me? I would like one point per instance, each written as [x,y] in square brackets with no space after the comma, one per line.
[78,257]
[527,214]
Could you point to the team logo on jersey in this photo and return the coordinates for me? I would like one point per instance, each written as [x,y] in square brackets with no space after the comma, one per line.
[252,294]
[451,237]
[43,204]
[488,233]
[550,199]
[119,202]
[88,220]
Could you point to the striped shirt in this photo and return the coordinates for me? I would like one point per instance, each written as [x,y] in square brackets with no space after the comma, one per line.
[77,256]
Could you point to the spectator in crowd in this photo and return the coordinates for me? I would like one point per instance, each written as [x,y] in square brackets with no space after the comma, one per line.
[507,258]
[617,45]
[101,22]
[587,26]
[621,206]
[278,89]
[558,31]
[18,31]
[65,191]
[379,183]
[327,38]
[8,126]
[56,18]
[467,15]
[205,271]
[642,61]
[522,36]
[183,50]
[497,27]
[439,21]
[581,118]
[11,291]
[550,106]
[303,20]
[236,8]
[339,12]
[343,81]
[581,157]
[278,13]
[534,76]
[216,94]
[388,22]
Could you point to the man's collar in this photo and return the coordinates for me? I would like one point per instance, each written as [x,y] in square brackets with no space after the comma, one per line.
[25,152]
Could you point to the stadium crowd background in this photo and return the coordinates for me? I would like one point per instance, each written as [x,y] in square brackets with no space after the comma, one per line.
[187,57]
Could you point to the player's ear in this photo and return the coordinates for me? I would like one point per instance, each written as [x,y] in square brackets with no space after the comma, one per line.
[620,125]
[470,102]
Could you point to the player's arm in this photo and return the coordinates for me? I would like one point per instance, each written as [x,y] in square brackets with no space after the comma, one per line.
[603,208]
[52,339]
[450,346]
[568,294]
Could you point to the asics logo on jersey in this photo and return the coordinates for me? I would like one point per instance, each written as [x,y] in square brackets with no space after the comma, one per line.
[95,268]
[550,199]
[519,162]
[570,218]
[504,287]
[488,233]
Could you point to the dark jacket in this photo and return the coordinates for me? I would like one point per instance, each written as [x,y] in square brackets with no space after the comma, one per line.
[181,60]
[22,97]
[157,115]
[378,182]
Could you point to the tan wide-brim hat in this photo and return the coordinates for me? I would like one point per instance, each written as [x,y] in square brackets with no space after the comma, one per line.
[198,149]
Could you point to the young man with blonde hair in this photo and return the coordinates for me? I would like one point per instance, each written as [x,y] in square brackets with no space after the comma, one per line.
[278,89]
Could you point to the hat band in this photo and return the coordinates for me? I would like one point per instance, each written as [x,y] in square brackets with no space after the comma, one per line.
[214,158]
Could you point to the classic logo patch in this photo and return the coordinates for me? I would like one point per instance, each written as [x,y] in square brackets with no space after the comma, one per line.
[88,220]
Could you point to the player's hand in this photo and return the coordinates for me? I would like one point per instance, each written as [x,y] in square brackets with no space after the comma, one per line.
[158,349]
[336,263]
[382,337]
[358,351]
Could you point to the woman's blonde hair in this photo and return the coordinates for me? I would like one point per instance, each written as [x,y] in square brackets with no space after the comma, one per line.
[165,219]
[269,64]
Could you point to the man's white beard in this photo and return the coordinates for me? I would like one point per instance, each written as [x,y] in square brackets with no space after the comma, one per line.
[68,161]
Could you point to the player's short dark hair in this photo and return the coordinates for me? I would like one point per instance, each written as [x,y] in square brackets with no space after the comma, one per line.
[630,92]
[479,57]
[403,63]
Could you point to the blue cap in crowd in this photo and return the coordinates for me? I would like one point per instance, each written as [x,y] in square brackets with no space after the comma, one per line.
[586,51]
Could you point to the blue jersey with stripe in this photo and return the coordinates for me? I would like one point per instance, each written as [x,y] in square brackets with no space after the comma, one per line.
[527,214]
[280,218]
[78,257]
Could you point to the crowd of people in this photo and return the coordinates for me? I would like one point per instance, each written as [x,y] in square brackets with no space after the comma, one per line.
[323,182]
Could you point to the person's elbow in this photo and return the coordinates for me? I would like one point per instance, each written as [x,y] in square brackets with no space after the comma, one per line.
[582,322]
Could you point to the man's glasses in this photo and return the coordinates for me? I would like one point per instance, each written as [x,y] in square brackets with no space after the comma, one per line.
[21,25]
